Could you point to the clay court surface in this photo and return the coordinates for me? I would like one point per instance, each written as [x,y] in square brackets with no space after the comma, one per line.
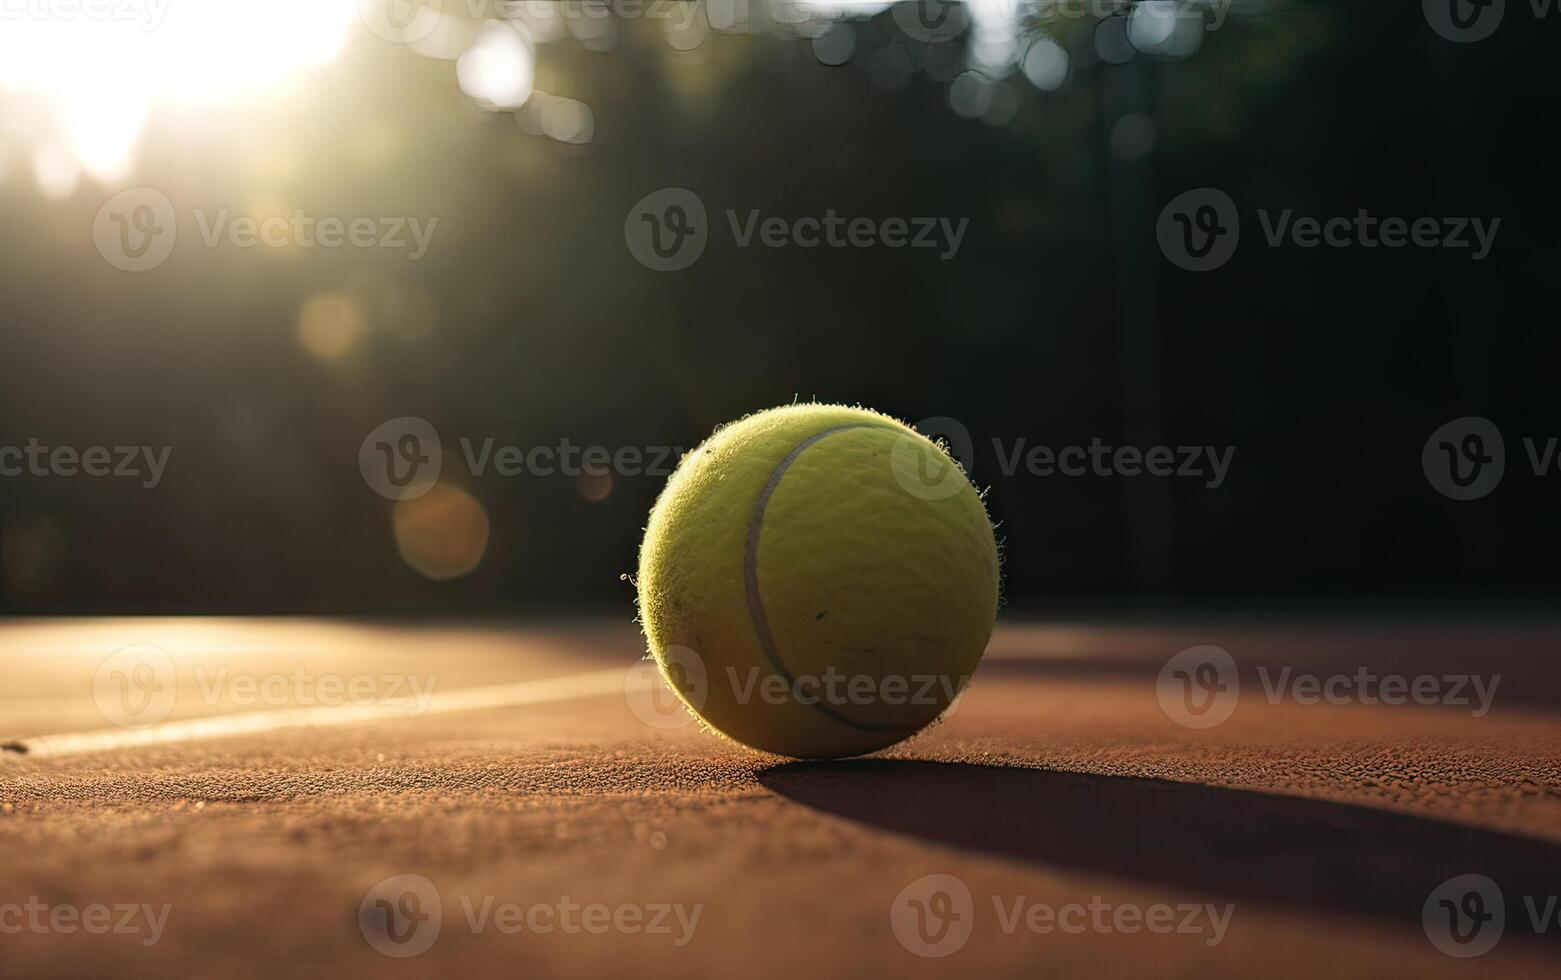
[547,774]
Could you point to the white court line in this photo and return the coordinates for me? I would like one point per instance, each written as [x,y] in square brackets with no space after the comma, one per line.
[566,688]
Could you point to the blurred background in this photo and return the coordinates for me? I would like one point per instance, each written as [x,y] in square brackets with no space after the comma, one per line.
[522,137]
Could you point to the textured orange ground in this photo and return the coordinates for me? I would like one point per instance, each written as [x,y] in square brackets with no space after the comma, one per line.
[1057,780]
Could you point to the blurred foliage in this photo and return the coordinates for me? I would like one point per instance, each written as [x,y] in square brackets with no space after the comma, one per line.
[530,322]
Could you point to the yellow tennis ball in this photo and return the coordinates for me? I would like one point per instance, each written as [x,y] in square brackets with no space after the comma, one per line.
[818,581]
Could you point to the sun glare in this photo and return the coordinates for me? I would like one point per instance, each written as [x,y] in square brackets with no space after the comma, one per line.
[100,69]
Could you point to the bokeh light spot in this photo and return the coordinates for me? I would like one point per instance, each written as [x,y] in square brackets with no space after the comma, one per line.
[971,95]
[568,121]
[1046,65]
[594,487]
[1133,136]
[836,45]
[57,172]
[497,70]
[330,325]
[443,534]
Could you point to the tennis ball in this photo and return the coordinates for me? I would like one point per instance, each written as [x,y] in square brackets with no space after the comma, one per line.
[818,581]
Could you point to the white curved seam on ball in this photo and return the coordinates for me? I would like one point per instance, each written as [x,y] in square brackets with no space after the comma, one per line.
[756,614]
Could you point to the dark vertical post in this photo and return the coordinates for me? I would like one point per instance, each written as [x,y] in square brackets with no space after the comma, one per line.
[1126,89]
